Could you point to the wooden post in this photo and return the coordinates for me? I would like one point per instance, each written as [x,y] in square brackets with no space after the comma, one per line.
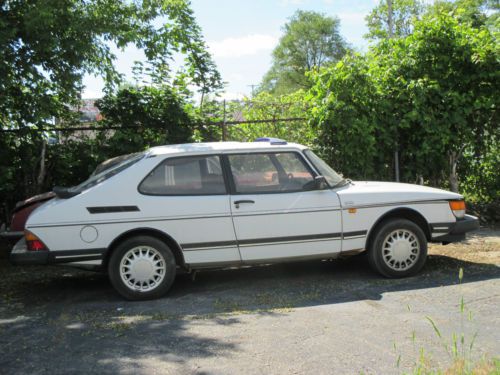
[396,163]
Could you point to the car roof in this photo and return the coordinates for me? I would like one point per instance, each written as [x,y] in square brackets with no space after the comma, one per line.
[220,147]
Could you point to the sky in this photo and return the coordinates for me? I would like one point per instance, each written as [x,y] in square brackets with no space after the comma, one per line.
[241,35]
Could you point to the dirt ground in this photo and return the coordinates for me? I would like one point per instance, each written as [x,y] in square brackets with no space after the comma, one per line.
[311,317]
[481,247]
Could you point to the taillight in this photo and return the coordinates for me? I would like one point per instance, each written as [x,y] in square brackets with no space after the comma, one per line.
[458,208]
[33,242]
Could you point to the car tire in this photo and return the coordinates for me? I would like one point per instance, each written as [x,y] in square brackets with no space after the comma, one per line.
[142,268]
[398,249]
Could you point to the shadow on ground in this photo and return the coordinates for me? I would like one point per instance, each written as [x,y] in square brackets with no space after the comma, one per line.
[56,308]
[253,288]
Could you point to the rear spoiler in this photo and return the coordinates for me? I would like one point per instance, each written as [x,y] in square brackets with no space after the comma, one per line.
[32,200]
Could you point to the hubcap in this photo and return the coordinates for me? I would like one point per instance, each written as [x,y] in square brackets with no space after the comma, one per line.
[142,268]
[400,250]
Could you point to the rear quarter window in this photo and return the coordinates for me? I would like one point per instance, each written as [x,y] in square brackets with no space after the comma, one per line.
[194,175]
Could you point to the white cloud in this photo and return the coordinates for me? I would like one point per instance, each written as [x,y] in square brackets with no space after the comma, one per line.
[242,46]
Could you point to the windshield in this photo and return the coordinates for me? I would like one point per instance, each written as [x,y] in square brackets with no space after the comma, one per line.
[332,177]
[101,174]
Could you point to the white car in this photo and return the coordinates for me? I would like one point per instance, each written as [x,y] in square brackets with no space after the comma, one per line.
[210,205]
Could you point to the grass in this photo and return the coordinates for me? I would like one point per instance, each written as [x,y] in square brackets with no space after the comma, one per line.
[459,348]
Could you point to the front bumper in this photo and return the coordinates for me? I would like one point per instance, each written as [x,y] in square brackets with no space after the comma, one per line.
[458,229]
[20,255]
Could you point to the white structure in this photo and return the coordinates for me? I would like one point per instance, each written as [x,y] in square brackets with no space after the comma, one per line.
[218,204]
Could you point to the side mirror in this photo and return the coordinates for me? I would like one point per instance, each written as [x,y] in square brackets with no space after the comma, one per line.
[320,183]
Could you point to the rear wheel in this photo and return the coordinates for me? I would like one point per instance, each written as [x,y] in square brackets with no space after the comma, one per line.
[142,268]
[398,249]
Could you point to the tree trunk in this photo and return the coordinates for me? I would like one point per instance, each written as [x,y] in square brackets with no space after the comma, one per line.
[389,19]
[201,102]
[454,156]
[42,172]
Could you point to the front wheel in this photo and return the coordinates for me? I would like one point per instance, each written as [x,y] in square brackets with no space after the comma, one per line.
[399,248]
[142,268]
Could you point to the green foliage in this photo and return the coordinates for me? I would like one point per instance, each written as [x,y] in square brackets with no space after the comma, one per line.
[46,46]
[345,113]
[19,162]
[159,116]
[481,182]
[210,116]
[265,106]
[311,40]
[432,95]
[444,77]
[475,12]
[404,13]
[159,113]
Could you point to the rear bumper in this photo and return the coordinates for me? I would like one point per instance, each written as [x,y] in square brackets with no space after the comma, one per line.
[11,236]
[458,229]
[21,256]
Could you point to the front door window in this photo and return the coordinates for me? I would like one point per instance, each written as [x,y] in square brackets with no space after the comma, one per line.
[269,173]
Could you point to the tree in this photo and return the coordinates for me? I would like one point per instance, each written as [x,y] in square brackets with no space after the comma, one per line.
[403,15]
[406,12]
[345,112]
[475,12]
[265,106]
[46,46]
[435,92]
[448,73]
[311,40]
[159,113]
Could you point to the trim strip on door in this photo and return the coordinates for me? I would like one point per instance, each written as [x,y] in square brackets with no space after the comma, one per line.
[272,240]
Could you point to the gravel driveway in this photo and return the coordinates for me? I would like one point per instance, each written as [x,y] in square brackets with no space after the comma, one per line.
[311,317]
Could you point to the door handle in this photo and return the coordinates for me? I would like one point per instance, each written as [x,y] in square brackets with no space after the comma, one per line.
[237,203]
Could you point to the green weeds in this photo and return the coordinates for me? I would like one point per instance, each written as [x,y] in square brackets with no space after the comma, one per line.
[459,348]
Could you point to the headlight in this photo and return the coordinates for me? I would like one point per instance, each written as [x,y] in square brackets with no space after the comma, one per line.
[458,209]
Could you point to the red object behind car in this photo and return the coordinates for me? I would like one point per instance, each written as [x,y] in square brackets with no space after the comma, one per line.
[21,213]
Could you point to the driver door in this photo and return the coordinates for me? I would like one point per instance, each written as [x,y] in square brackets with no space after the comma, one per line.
[275,212]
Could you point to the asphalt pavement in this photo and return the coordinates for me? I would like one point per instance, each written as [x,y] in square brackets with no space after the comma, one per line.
[328,317]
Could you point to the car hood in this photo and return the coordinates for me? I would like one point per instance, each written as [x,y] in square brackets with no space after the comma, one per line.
[360,193]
